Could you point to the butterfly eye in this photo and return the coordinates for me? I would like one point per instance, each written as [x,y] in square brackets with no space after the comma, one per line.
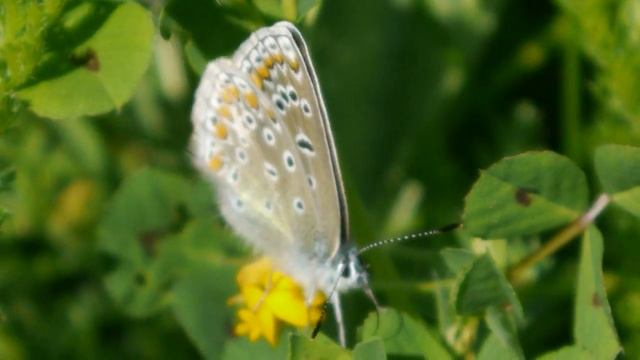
[346,273]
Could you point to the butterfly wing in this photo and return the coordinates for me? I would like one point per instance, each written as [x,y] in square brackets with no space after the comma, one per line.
[262,136]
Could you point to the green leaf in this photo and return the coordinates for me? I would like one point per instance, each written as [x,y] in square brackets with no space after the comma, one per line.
[149,208]
[567,353]
[524,195]
[108,67]
[148,205]
[403,335]
[629,200]
[242,348]
[484,286]
[199,303]
[618,168]
[372,349]
[494,349]
[139,290]
[302,347]
[593,328]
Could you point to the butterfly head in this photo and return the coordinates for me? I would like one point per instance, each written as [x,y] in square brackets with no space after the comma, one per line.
[352,272]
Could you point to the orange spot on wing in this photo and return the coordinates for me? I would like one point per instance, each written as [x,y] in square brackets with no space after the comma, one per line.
[268,61]
[262,71]
[256,79]
[224,112]
[278,58]
[230,94]
[293,64]
[221,131]
[271,114]
[251,99]
[216,163]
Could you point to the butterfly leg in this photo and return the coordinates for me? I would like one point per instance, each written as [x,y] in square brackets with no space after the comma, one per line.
[337,311]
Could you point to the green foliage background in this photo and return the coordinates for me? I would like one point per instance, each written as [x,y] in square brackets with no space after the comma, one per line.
[111,247]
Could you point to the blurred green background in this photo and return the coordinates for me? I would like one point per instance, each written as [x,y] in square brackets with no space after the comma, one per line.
[110,244]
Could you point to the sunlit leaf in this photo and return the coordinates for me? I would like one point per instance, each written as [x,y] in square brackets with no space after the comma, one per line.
[150,208]
[593,328]
[524,195]
[107,68]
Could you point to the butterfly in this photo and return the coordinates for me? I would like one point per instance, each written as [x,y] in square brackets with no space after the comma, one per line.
[262,136]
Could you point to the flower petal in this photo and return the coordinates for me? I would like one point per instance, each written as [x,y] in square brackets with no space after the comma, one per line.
[267,324]
[289,306]
[256,273]
[253,296]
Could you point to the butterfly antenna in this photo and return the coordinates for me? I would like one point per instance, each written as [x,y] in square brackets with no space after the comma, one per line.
[418,235]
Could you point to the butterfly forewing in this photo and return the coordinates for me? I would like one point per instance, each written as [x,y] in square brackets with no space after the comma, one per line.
[261,135]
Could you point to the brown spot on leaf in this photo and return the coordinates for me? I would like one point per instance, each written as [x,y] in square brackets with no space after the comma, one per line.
[149,241]
[523,197]
[507,307]
[595,300]
[89,59]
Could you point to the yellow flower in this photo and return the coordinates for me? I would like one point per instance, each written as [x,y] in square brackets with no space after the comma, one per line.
[269,298]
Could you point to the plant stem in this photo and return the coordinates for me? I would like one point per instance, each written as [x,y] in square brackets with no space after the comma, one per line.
[517,272]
